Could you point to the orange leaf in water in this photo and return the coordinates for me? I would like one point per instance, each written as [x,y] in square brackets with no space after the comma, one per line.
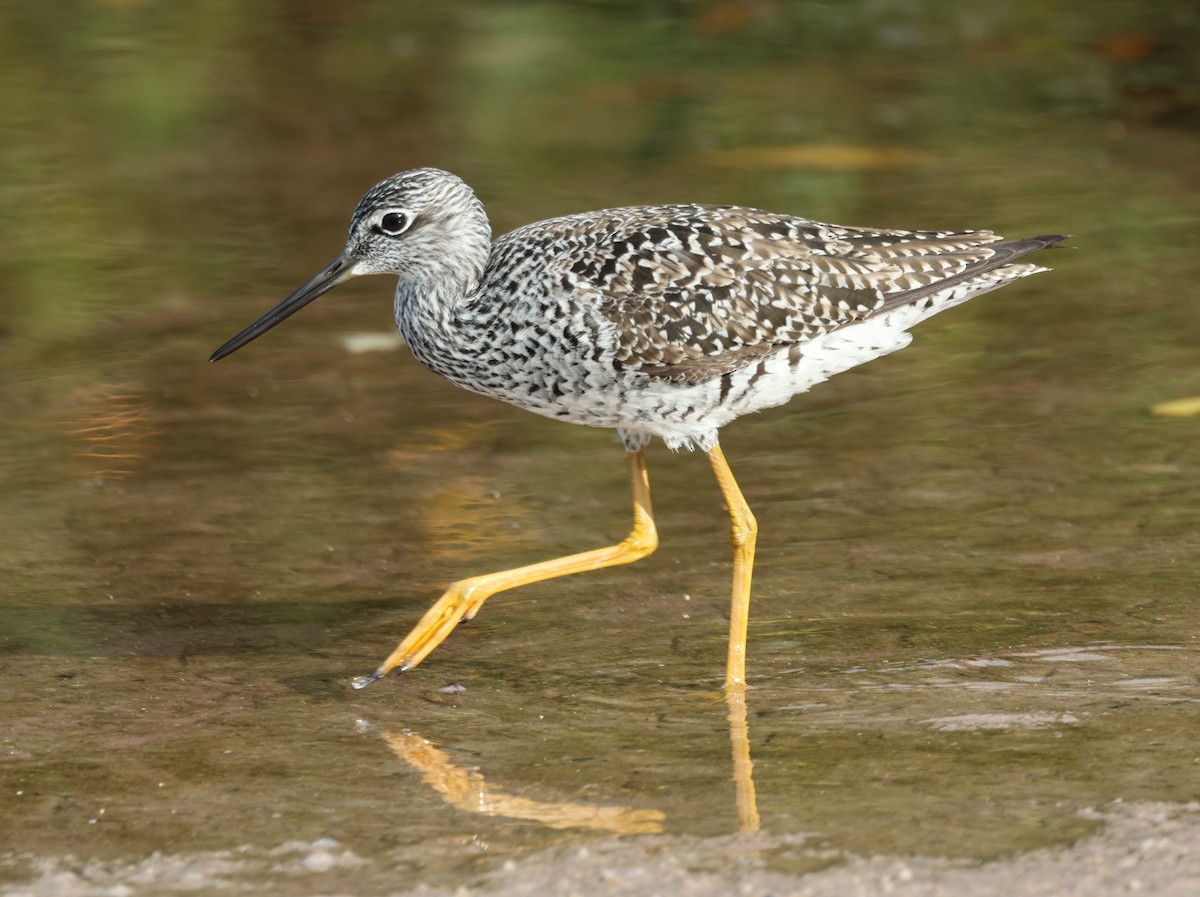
[720,18]
[1128,47]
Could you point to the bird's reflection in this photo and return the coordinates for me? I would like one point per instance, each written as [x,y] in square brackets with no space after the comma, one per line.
[743,766]
[468,790]
[113,431]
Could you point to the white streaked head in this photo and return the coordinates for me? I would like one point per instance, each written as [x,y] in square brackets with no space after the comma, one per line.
[418,221]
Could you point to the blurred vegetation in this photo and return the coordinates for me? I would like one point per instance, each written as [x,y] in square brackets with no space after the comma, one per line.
[152,146]
[170,169]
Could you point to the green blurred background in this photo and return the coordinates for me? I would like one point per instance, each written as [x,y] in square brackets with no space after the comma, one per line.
[160,153]
[172,531]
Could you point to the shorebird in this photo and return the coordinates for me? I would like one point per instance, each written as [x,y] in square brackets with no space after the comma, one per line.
[668,321]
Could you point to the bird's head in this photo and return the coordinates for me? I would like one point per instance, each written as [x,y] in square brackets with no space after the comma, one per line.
[423,225]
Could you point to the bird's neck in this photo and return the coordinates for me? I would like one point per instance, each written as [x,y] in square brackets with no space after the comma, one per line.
[436,320]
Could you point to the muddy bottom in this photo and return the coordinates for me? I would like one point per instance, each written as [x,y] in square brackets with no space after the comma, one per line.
[1141,847]
[161,774]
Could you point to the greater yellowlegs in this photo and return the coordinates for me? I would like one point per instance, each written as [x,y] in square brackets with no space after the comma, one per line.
[667,321]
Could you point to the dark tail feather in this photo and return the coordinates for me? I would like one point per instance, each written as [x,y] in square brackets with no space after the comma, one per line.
[1006,252]
[1027,245]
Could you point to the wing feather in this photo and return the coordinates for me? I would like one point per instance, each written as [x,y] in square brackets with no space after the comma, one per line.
[694,292]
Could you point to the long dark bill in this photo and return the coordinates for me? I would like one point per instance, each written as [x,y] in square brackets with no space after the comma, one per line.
[323,281]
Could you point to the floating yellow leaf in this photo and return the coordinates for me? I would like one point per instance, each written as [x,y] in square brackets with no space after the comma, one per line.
[822,155]
[1177,407]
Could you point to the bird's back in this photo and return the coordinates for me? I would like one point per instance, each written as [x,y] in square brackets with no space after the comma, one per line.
[666,313]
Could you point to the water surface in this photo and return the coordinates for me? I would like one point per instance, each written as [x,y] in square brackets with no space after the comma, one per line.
[975,606]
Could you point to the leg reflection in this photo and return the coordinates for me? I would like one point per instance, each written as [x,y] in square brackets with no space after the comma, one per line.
[467,790]
[743,766]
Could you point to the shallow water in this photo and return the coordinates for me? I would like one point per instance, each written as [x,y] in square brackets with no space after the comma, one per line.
[975,605]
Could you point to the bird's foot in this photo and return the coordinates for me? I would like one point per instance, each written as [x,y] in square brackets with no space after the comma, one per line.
[461,601]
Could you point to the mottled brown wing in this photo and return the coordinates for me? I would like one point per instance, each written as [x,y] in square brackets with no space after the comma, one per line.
[694,292]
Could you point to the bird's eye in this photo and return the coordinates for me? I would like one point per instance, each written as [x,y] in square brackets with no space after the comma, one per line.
[394,223]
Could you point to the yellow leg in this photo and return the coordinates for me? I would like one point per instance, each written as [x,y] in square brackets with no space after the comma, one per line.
[743,533]
[463,599]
